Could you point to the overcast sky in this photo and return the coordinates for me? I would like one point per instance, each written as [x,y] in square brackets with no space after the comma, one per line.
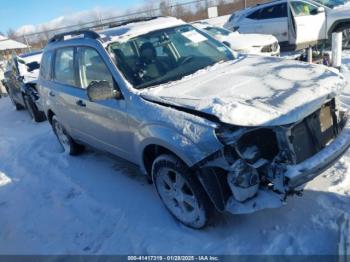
[18,13]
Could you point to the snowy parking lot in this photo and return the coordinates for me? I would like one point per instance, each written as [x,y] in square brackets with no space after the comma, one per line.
[52,203]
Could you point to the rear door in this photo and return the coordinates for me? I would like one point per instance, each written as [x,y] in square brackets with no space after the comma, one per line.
[309,24]
[271,19]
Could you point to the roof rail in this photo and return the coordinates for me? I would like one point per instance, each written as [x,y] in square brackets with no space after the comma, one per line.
[84,33]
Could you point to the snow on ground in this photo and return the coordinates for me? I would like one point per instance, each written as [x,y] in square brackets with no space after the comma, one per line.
[51,203]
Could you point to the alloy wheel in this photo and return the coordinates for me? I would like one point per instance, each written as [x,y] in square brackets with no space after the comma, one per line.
[178,197]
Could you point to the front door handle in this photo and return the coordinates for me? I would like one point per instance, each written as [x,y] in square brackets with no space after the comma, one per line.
[52,94]
[81,103]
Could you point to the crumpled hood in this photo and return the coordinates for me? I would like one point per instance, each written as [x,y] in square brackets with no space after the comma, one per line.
[253,91]
[245,41]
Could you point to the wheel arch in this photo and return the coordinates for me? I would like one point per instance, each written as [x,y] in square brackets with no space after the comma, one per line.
[50,115]
[339,26]
[151,151]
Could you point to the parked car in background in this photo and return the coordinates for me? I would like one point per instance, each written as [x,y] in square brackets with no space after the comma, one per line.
[2,71]
[257,44]
[296,23]
[20,82]
[208,128]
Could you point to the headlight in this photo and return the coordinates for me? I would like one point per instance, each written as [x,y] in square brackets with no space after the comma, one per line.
[227,135]
[250,144]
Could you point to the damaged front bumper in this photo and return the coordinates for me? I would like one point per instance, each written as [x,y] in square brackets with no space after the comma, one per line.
[294,177]
[304,172]
[247,186]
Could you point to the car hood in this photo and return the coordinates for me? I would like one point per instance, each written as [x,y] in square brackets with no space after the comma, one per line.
[239,41]
[253,91]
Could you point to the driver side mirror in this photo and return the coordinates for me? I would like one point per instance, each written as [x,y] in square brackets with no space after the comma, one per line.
[102,90]
[319,10]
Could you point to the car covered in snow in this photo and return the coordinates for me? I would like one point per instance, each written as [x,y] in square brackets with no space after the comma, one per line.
[20,80]
[295,23]
[210,129]
[256,44]
[2,77]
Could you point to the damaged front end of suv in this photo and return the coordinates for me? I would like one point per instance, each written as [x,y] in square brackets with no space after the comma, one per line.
[259,167]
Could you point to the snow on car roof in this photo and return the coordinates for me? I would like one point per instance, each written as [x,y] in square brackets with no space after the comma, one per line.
[125,32]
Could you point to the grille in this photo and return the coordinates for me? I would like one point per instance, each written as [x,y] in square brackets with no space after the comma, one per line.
[314,133]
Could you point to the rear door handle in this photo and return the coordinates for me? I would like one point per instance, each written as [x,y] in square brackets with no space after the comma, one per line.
[52,94]
[81,103]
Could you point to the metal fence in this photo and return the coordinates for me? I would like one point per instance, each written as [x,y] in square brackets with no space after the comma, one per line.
[189,11]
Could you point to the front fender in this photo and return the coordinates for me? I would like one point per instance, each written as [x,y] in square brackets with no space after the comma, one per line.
[189,151]
[339,26]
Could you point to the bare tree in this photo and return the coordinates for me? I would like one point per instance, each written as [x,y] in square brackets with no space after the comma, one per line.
[165,7]
[11,33]
[149,7]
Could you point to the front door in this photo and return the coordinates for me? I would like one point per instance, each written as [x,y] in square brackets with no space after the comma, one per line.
[309,23]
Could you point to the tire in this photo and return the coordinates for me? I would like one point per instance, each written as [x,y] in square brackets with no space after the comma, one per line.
[181,192]
[66,141]
[32,109]
[17,105]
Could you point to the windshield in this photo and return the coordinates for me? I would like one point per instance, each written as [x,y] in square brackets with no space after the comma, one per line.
[167,55]
[331,3]
[217,31]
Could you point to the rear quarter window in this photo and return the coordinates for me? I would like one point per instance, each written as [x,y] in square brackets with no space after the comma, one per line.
[45,68]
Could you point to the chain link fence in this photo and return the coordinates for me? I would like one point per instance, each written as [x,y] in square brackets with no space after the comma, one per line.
[188,11]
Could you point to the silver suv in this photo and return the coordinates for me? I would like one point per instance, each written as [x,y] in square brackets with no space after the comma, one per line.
[212,130]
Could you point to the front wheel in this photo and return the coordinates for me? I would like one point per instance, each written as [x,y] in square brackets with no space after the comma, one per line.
[181,192]
[66,141]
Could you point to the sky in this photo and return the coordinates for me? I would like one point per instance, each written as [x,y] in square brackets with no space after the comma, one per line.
[16,13]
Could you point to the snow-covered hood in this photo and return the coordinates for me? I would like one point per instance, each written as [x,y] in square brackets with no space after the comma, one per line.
[243,41]
[253,91]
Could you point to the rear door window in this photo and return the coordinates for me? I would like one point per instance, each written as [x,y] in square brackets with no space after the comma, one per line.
[45,70]
[64,67]
[270,12]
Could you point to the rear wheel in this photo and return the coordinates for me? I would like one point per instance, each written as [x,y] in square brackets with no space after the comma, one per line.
[68,144]
[17,105]
[33,110]
[181,192]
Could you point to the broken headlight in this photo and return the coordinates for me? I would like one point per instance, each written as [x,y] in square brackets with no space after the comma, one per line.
[228,135]
[251,144]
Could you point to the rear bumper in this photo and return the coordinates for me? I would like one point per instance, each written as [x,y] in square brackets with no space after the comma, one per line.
[304,172]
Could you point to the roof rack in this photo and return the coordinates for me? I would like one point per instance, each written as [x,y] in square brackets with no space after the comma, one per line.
[84,33]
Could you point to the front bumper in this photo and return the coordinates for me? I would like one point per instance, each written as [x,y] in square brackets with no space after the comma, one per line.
[304,172]
[294,176]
